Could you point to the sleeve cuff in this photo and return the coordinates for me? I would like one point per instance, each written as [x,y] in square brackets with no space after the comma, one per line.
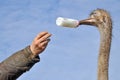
[30,55]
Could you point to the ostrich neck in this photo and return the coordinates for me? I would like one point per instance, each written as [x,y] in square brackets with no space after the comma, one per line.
[103,59]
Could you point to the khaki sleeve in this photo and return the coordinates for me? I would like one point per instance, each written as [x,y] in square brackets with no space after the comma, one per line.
[17,64]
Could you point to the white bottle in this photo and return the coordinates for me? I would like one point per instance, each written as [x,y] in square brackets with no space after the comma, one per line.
[66,22]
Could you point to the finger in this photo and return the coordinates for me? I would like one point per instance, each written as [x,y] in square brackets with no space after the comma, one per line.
[43,44]
[44,38]
[41,35]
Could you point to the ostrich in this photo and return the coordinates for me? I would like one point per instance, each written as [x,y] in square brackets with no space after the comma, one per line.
[102,20]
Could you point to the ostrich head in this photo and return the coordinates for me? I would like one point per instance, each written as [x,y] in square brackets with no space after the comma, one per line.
[99,18]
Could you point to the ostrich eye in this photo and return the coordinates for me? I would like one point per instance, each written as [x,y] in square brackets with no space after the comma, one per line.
[95,13]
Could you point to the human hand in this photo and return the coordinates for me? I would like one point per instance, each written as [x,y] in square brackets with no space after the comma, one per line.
[40,43]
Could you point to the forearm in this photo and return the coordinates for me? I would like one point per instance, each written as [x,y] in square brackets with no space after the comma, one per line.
[18,63]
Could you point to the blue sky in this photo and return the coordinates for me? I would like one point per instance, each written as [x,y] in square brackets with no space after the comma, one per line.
[72,53]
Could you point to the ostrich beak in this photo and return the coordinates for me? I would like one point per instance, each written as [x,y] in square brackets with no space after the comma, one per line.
[89,21]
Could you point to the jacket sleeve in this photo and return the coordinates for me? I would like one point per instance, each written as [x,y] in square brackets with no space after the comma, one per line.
[17,64]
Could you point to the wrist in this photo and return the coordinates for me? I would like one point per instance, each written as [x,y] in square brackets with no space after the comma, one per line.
[32,52]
